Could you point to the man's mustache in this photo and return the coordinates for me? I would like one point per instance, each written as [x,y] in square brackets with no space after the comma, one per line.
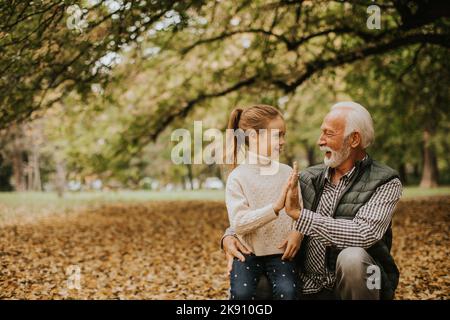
[326,149]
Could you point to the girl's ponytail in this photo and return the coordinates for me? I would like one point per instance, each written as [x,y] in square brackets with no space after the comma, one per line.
[233,123]
[235,116]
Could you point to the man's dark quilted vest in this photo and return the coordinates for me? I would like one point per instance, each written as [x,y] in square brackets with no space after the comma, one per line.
[368,176]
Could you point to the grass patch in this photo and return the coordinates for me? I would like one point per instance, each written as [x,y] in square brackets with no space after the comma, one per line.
[412,192]
[74,199]
[27,205]
[79,198]
[31,204]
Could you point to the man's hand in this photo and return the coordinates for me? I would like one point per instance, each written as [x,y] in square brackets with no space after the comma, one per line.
[294,203]
[233,249]
[279,204]
[291,245]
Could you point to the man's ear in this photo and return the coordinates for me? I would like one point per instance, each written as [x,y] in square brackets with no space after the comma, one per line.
[355,140]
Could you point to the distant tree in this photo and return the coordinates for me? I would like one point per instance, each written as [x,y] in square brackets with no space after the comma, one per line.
[51,48]
[228,50]
[259,44]
[407,92]
[115,85]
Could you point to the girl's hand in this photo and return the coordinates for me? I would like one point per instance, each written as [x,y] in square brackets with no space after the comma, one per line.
[233,249]
[291,245]
[294,202]
[279,204]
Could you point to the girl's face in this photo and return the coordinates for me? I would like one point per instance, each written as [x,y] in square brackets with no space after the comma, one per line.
[270,143]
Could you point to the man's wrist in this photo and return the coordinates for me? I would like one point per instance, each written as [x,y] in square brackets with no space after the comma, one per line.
[305,222]
[295,213]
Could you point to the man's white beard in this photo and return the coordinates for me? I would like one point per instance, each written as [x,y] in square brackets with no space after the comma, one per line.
[337,157]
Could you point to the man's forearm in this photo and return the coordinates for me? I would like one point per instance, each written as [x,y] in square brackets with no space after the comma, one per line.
[336,232]
[368,226]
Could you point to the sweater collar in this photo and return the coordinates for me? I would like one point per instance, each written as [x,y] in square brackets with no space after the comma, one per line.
[253,158]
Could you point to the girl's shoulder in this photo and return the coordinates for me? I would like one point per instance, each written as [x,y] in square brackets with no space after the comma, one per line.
[242,173]
[236,172]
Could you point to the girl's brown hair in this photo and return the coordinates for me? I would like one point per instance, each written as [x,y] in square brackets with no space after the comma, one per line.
[255,117]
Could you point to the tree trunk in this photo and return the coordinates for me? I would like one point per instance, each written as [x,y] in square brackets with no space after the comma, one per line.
[190,176]
[37,185]
[17,160]
[402,173]
[430,169]
[18,174]
[310,154]
[29,173]
[218,172]
[60,178]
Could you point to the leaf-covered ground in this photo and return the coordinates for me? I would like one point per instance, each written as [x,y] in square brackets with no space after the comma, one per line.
[170,250]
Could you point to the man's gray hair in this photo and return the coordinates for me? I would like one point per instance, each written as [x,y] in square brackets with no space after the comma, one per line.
[358,120]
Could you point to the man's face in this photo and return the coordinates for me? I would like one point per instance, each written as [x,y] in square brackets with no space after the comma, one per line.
[332,139]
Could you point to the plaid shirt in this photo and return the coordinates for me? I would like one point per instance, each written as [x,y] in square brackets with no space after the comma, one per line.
[368,226]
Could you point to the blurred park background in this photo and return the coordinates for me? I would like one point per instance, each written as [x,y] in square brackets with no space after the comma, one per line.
[90,92]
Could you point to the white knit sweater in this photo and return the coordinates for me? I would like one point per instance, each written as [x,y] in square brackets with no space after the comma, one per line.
[249,198]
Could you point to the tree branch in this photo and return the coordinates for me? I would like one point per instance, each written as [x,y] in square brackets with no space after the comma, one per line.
[358,54]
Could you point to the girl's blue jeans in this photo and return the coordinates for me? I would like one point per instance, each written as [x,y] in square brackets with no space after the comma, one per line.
[282,275]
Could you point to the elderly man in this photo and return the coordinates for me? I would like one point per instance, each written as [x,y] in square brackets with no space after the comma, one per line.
[346,217]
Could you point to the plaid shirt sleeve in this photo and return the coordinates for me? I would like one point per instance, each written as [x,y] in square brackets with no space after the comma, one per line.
[367,227]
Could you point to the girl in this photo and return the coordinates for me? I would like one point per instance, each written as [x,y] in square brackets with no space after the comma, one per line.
[255,204]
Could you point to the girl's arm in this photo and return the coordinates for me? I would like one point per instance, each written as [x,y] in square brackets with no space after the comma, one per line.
[243,219]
